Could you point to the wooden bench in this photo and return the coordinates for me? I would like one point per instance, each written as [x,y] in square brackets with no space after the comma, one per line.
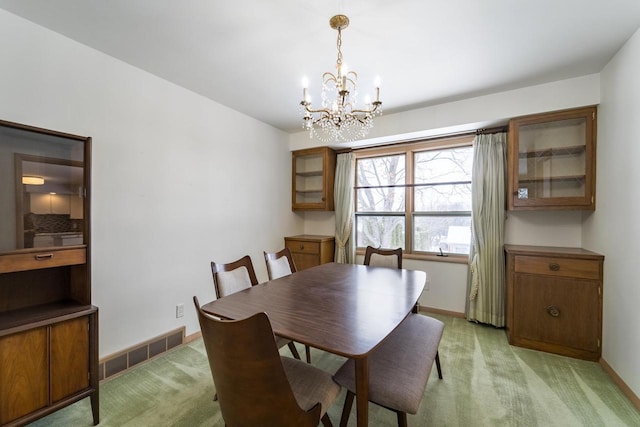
[399,368]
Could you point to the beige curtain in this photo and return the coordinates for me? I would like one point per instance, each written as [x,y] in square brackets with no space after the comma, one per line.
[486,297]
[343,200]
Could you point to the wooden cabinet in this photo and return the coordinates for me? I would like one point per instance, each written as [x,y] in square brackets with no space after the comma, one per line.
[554,300]
[312,178]
[552,161]
[48,327]
[310,250]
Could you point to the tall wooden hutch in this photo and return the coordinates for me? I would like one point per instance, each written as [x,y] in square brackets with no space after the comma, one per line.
[48,326]
[554,294]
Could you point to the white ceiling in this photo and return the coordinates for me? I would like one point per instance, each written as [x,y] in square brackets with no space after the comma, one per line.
[251,55]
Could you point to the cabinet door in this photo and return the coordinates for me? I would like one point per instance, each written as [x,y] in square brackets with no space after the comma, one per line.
[552,160]
[69,357]
[24,374]
[313,173]
[557,310]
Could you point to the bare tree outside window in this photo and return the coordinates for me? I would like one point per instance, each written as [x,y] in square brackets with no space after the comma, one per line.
[440,209]
[381,195]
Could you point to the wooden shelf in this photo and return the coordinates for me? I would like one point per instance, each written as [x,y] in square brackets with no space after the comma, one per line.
[311,173]
[566,178]
[14,320]
[309,191]
[552,152]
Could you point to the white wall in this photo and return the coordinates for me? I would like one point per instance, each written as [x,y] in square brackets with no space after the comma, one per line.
[449,281]
[614,228]
[178,180]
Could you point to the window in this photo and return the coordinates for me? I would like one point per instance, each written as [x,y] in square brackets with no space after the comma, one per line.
[416,196]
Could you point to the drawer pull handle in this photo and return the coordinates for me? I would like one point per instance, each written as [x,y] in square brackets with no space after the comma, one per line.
[301,246]
[553,311]
[42,257]
[554,266]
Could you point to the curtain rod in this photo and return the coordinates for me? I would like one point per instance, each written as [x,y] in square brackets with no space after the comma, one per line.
[497,129]
[480,131]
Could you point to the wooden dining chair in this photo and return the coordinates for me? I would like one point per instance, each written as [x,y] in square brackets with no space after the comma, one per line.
[235,276]
[390,258]
[399,368]
[258,387]
[377,257]
[281,264]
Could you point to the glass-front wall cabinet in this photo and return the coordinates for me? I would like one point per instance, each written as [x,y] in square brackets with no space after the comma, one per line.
[552,161]
[42,188]
[312,181]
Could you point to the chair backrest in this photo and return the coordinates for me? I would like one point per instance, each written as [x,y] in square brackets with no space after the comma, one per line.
[279,263]
[233,277]
[383,257]
[250,380]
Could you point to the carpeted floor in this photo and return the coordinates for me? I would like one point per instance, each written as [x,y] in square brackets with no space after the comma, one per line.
[486,383]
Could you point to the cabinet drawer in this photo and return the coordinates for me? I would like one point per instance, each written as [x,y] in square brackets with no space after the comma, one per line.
[561,267]
[42,259]
[303,246]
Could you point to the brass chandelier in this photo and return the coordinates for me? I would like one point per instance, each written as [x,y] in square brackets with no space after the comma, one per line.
[339,119]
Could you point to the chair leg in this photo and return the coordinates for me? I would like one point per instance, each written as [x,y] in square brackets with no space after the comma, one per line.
[308,351]
[402,419]
[438,365]
[346,409]
[326,421]
[294,350]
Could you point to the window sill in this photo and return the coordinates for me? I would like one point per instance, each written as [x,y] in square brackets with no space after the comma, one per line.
[450,258]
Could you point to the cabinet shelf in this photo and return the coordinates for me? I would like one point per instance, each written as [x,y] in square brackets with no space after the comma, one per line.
[319,190]
[566,178]
[552,152]
[310,173]
[13,321]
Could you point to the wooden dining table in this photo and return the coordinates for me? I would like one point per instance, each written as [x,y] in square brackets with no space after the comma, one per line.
[344,309]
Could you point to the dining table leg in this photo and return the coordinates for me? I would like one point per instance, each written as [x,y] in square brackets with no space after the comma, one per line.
[362,391]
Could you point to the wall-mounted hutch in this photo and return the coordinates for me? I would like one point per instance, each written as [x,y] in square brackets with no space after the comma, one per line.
[552,161]
[312,178]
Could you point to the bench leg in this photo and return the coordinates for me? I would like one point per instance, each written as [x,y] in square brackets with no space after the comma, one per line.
[294,350]
[438,365]
[308,351]
[402,419]
[326,421]
[346,409]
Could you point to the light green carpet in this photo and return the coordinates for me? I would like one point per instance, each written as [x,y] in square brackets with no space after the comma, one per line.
[486,383]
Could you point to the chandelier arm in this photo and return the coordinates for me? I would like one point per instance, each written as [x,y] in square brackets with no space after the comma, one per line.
[320,110]
[373,110]
[330,78]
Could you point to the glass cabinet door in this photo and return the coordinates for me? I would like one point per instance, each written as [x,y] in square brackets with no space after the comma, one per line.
[552,160]
[43,190]
[312,179]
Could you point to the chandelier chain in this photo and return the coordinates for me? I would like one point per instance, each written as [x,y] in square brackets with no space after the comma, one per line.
[339,43]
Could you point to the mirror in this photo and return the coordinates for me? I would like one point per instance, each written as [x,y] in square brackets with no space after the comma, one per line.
[43,191]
